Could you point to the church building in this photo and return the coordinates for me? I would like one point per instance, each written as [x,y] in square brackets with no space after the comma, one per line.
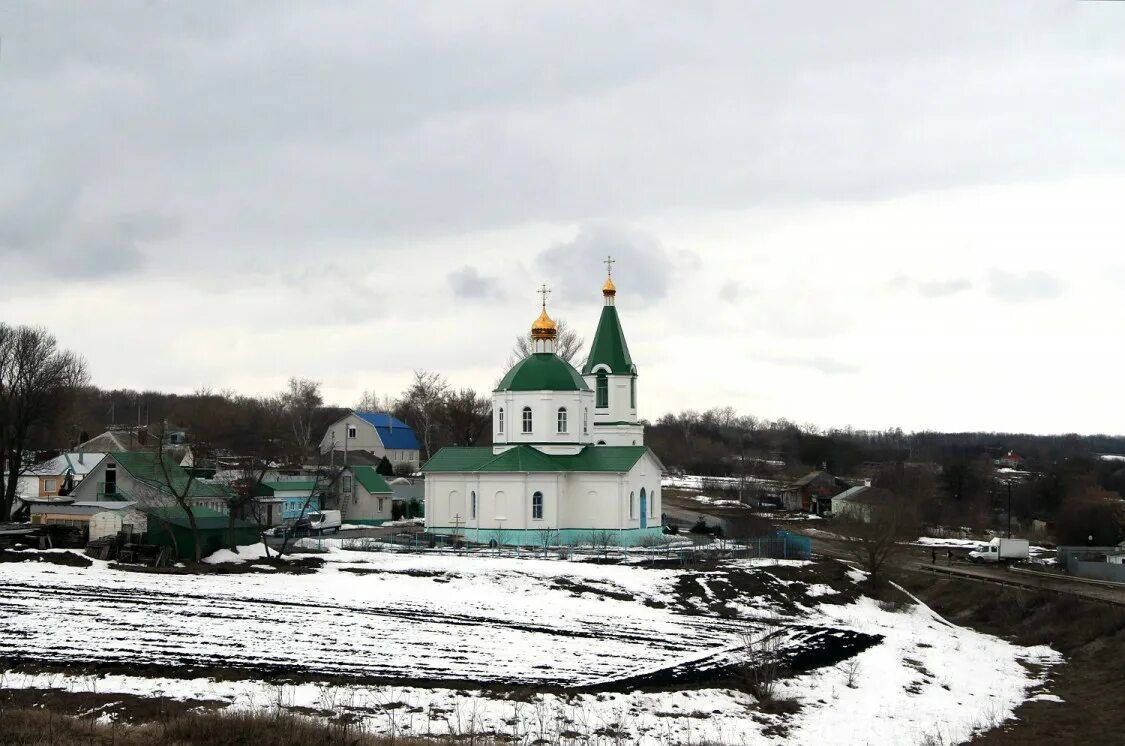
[568,453]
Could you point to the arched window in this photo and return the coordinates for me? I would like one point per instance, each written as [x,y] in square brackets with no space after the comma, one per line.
[631,496]
[644,509]
[602,391]
[473,504]
[633,392]
[500,417]
[585,421]
[562,419]
[537,506]
[527,419]
[601,442]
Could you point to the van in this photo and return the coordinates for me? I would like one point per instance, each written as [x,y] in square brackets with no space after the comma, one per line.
[323,521]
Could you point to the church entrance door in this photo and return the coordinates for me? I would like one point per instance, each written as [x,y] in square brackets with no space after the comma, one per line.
[644,509]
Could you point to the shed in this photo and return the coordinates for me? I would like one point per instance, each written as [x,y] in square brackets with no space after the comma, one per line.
[114,518]
[168,526]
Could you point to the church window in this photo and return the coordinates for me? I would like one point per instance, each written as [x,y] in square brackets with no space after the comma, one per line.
[603,391]
[473,504]
[562,419]
[500,417]
[527,419]
[585,421]
[537,506]
[631,511]
[633,393]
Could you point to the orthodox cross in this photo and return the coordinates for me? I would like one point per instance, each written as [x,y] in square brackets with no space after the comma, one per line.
[544,291]
[609,262]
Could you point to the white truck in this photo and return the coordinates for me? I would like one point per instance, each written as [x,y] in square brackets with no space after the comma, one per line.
[323,521]
[1000,550]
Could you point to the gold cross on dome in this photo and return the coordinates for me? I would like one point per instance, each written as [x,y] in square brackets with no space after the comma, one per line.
[609,262]
[544,291]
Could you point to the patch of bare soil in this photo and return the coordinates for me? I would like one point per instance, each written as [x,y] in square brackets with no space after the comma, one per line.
[1090,635]
[69,559]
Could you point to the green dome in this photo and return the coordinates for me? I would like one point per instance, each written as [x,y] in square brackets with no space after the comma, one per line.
[543,371]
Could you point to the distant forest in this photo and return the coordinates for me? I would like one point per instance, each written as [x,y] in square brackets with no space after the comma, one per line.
[951,476]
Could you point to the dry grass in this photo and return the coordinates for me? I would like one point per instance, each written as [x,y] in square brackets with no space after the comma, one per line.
[33,727]
[1090,635]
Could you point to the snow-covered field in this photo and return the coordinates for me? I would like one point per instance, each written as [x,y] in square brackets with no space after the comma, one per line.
[407,639]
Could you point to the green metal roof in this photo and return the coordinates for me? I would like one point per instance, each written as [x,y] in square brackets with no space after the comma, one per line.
[295,485]
[543,371]
[144,466]
[524,458]
[205,518]
[371,480]
[609,346]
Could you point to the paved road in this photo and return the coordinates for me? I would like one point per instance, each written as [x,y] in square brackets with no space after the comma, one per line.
[920,559]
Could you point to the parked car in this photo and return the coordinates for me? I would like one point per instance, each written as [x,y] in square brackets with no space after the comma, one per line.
[325,520]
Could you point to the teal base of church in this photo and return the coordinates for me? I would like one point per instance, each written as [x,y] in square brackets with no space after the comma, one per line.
[622,537]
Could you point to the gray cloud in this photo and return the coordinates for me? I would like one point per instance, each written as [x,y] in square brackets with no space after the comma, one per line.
[942,288]
[732,292]
[643,268]
[246,121]
[826,365]
[926,288]
[467,282]
[1023,287]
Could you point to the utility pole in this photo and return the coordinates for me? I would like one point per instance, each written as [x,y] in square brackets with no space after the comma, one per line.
[1009,483]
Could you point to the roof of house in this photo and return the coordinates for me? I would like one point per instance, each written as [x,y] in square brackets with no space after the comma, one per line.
[371,480]
[542,371]
[529,459]
[293,485]
[864,495]
[609,347]
[811,477]
[205,518]
[80,464]
[393,432]
[144,466]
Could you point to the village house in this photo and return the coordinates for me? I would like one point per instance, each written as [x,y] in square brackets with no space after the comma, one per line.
[364,497]
[378,433]
[857,503]
[56,476]
[813,492]
[149,478]
[121,439]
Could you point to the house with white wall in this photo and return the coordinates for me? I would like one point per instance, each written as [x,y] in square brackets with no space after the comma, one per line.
[379,433]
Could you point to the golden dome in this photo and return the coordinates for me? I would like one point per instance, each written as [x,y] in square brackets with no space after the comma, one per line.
[543,327]
[609,288]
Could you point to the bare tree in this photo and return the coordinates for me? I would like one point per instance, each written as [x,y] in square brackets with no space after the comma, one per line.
[299,404]
[37,380]
[568,345]
[876,531]
[602,540]
[372,402]
[546,536]
[421,406]
[466,418]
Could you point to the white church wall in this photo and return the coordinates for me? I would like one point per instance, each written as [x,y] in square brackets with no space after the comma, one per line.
[544,410]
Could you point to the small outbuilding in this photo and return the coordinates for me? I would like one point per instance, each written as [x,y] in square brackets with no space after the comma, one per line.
[365,497]
[168,526]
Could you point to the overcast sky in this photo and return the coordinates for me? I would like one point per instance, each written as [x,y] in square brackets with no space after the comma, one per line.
[884,214]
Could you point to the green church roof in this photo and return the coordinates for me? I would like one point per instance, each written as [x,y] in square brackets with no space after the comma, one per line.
[528,459]
[542,371]
[609,346]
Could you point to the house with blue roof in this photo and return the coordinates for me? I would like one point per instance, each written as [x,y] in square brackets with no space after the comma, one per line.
[379,433]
